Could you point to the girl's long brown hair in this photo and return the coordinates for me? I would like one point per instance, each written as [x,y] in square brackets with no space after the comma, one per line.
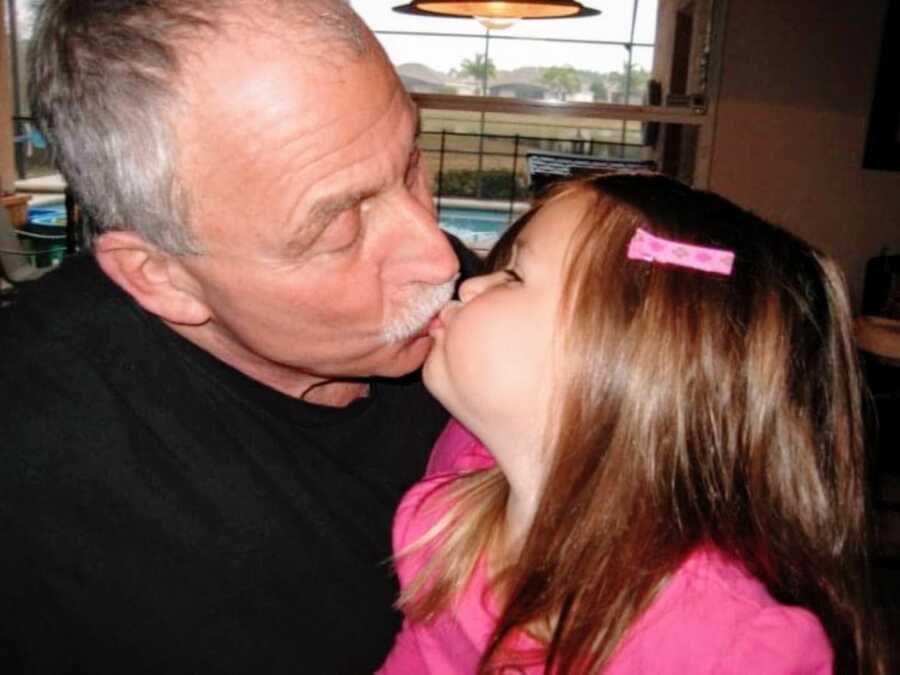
[695,409]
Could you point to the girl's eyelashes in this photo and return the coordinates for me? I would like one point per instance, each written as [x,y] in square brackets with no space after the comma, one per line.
[512,275]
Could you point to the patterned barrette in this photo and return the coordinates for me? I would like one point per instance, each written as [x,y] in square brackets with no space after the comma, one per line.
[645,246]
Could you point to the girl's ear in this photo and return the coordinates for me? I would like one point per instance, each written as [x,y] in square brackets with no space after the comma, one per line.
[156,280]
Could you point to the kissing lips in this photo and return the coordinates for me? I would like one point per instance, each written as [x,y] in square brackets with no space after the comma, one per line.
[441,320]
[428,327]
[436,323]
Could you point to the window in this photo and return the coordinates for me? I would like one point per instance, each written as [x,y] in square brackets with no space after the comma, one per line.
[625,89]
[32,158]
[489,97]
[601,59]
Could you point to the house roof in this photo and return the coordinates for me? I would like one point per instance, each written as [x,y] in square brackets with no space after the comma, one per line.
[423,73]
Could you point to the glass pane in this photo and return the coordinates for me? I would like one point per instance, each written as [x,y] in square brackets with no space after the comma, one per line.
[485,168]
[613,24]
[582,136]
[580,60]
[25,12]
[641,69]
[556,71]
[438,65]
[645,24]
[32,157]
[499,137]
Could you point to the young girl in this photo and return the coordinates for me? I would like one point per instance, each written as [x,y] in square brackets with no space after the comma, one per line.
[668,385]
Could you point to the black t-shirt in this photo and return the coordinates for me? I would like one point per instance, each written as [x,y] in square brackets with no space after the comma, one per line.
[161,512]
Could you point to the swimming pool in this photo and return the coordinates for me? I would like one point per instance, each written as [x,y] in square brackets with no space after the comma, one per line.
[47,219]
[476,227]
[49,214]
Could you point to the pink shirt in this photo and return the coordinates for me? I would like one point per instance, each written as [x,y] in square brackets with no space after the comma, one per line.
[457,450]
[711,617]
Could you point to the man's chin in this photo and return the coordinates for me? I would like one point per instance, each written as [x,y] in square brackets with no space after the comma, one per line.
[407,357]
[389,361]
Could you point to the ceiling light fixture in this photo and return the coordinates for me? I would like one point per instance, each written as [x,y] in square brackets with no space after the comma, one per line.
[493,14]
[495,23]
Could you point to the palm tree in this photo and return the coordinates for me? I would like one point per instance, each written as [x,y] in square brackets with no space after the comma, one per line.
[638,80]
[562,81]
[481,69]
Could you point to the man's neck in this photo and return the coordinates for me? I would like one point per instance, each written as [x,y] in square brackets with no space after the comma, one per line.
[289,381]
[336,393]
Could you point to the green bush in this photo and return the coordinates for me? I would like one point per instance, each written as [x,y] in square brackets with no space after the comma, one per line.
[495,184]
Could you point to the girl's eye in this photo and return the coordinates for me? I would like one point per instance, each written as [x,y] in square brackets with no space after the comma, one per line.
[512,275]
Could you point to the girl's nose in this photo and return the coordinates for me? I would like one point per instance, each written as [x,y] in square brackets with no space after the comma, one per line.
[475,286]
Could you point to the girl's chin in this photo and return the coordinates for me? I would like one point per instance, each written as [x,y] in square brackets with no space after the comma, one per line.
[435,379]
[429,376]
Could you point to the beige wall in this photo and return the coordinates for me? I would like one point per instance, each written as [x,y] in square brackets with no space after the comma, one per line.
[797,83]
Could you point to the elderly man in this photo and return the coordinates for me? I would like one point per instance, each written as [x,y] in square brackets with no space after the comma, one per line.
[207,423]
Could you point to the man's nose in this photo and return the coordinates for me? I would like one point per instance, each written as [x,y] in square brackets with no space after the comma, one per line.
[420,248]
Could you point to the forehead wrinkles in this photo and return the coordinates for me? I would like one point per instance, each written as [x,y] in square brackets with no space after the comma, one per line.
[371,155]
[357,168]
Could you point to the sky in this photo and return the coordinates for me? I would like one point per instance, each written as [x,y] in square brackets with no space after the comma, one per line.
[24,17]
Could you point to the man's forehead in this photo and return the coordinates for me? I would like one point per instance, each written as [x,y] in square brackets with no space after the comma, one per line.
[320,207]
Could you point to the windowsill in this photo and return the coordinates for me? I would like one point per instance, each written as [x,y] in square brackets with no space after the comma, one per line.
[53,183]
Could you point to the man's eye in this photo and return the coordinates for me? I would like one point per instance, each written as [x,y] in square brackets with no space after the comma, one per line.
[342,233]
[512,275]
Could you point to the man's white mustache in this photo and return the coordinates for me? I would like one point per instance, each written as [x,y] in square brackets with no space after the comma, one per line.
[419,312]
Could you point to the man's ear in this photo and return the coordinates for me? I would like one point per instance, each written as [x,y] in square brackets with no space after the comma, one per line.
[154,278]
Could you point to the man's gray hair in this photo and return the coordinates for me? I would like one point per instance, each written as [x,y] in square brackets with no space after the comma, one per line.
[104,83]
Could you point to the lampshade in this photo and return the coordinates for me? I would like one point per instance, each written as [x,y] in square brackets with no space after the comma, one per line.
[508,9]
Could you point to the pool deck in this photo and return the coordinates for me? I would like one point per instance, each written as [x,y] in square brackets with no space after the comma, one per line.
[483,204]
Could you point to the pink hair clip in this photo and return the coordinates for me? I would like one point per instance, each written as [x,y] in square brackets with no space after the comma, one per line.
[645,246]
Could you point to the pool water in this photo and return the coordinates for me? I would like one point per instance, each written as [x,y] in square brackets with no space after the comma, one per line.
[47,219]
[477,228]
[48,214]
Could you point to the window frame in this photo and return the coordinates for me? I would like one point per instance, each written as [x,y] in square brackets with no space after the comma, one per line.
[701,116]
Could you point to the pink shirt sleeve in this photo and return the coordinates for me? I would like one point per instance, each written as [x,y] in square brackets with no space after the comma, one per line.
[781,641]
[457,450]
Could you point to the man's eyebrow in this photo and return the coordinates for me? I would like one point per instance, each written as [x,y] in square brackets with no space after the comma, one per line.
[326,208]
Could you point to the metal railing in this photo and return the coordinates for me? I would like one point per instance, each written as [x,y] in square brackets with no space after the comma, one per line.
[439,146]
